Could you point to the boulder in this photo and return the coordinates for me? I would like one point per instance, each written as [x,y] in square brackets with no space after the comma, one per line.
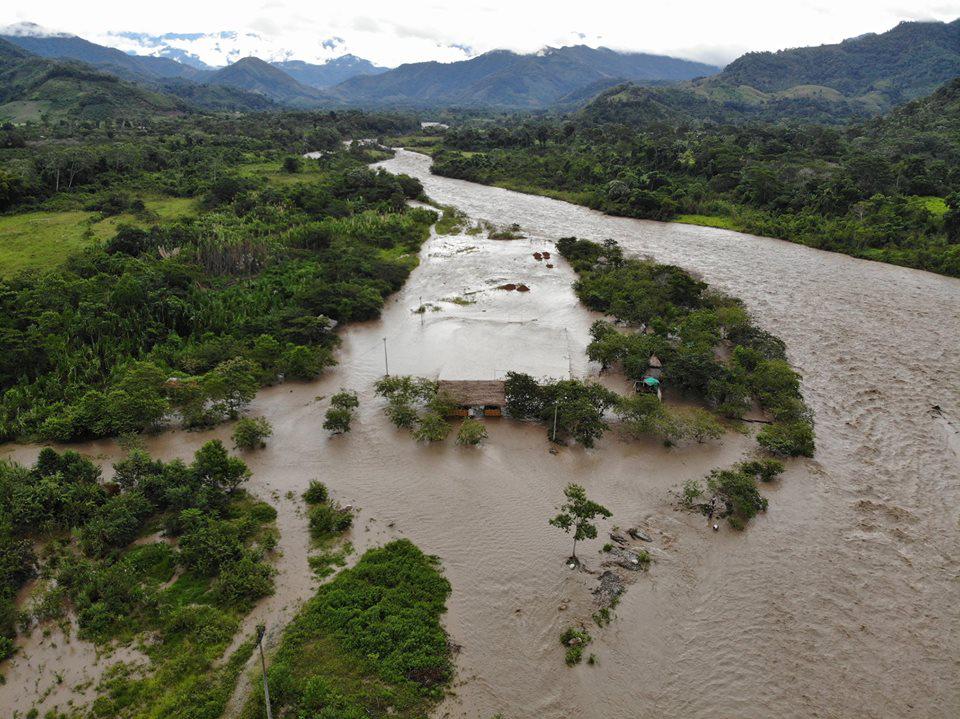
[618,537]
[639,534]
[626,559]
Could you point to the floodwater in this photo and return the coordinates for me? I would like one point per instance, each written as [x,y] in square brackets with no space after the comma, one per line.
[840,601]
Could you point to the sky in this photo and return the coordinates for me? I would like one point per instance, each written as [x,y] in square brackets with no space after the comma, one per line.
[389,32]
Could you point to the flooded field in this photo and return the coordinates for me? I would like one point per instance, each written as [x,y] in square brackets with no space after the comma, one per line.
[840,601]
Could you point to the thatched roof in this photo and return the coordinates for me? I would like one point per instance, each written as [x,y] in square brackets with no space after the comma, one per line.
[475,392]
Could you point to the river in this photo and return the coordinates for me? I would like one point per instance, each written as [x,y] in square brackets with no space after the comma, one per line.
[840,601]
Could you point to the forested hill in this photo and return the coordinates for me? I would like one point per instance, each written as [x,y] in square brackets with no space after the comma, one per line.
[254,75]
[506,79]
[850,81]
[909,61]
[31,87]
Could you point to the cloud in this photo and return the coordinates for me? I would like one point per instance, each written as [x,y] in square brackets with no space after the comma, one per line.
[390,33]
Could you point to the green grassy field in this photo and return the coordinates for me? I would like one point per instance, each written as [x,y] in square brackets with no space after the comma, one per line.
[40,240]
[723,223]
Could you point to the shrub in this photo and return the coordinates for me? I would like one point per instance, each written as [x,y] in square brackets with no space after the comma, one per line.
[432,428]
[471,432]
[345,399]
[316,492]
[327,519]
[575,640]
[250,432]
[766,470]
[242,582]
[337,420]
[788,439]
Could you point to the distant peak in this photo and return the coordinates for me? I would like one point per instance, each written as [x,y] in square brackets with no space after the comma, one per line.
[31,29]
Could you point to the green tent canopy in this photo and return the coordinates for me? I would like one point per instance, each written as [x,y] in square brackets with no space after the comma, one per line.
[651,381]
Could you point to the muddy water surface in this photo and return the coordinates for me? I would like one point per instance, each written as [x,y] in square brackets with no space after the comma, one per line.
[840,601]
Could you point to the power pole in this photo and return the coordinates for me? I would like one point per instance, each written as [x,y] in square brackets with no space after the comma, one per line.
[261,630]
[386,367]
[555,406]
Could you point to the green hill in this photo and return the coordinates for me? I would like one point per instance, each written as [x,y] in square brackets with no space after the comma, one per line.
[31,87]
[251,74]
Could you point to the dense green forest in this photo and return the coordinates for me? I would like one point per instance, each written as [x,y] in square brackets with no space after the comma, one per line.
[885,190]
[184,318]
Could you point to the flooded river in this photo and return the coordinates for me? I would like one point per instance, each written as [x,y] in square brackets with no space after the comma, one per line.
[840,601]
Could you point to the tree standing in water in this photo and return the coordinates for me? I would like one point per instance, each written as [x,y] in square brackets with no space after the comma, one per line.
[577,514]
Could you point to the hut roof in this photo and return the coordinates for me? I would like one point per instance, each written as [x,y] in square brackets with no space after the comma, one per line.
[476,392]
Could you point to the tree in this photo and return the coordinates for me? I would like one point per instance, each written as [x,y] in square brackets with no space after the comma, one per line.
[340,413]
[292,164]
[214,466]
[432,428]
[577,514]
[337,420]
[250,433]
[231,385]
[699,424]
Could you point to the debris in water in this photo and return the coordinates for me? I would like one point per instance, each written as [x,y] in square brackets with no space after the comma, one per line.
[537,256]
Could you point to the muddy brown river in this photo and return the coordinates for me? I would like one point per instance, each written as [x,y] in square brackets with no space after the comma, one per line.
[840,601]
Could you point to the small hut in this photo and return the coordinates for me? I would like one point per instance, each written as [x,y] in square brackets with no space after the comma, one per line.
[488,397]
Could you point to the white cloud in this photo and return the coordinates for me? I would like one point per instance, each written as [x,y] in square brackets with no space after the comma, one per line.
[390,33]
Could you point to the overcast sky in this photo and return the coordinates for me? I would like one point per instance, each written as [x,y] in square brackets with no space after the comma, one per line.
[391,32]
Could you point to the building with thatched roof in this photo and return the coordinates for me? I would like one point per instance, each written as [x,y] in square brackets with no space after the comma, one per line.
[467,394]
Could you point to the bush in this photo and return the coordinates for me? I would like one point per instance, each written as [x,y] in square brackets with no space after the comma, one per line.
[432,428]
[575,640]
[766,470]
[316,492]
[250,432]
[327,519]
[370,638]
[345,399]
[337,420]
[471,432]
[788,439]
[244,581]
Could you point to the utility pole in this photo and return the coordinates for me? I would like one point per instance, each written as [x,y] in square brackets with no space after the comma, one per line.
[386,367]
[555,406]
[423,311]
[261,630]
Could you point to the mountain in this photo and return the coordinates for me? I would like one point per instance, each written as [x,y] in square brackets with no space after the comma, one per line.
[330,73]
[505,79]
[218,98]
[254,75]
[926,126]
[873,72]
[71,47]
[32,86]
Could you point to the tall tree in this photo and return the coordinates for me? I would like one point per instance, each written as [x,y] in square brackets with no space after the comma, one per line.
[577,514]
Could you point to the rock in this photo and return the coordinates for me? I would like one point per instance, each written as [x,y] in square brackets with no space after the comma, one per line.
[609,589]
[626,559]
[618,537]
[638,533]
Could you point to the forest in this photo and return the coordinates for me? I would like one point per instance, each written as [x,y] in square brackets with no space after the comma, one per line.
[184,318]
[884,190]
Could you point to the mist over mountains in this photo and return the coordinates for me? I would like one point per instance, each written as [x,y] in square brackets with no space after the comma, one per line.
[862,76]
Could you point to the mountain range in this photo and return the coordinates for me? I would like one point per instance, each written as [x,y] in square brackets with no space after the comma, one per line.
[506,79]
[856,78]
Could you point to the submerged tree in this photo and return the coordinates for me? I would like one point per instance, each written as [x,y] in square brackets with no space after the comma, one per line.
[577,514]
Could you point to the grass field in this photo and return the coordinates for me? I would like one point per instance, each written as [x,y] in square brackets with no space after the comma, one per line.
[41,240]
[273,173]
[723,223]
